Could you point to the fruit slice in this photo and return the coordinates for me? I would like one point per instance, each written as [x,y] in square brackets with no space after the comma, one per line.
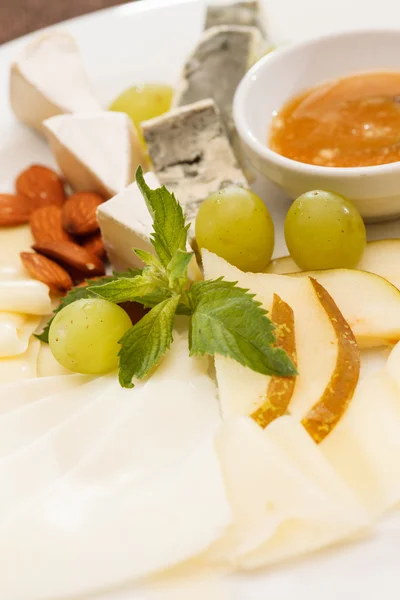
[97,152]
[319,346]
[369,303]
[381,257]
[49,79]
[280,389]
[332,405]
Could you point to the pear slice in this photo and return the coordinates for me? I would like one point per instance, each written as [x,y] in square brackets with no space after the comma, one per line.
[327,356]
[49,79]
[280,389]
[369,303]
[95,151]
[381,257]
[332,405]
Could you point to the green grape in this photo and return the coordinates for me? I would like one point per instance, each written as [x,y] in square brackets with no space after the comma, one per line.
[143,102]
[235,224]
[323,230]
[84,335]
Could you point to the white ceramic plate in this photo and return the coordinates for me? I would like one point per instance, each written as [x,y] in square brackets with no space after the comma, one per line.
[148,41]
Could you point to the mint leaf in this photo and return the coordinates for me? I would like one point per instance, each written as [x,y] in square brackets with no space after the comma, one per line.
[146,342]
[178,266]
[77,293]
[125,289]
[226,320]
[169,223]
[148,258]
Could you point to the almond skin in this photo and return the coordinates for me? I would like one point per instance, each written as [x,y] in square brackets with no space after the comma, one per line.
[41,186]
[47,271]
[79,213]
[94,243]
[70,254]
[14,210]
[46,225]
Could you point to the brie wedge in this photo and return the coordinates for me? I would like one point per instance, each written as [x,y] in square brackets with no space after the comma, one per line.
[191,154]
[98,151]
[216,67]
[49,79]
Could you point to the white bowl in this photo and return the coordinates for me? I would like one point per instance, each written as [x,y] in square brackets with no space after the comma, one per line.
[284,73]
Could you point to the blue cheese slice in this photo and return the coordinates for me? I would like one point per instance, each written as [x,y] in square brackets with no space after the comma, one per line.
[217,65]
[244,12]
[191,153]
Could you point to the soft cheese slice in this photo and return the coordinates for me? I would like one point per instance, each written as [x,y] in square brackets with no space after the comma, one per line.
[49,79]
[77,543]
[47,366]
[270,489]
[191,154]
[99,151]
[14,240]
[20,393]
[25,296]
[22,426]
[23,366]
[15,333]
[214,70]
[125,223]
[33,467]
[364,446]
[241,390]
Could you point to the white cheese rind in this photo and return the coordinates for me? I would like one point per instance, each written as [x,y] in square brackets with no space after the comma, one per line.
[49,79]
[125,223]
[98,151]
[216,67]
[191,154]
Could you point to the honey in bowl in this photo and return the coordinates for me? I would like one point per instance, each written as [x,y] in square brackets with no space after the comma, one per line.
[349,122]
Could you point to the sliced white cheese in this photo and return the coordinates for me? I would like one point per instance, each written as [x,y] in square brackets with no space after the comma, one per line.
[49,79]
[17,394]
[21,427]
[22,366]
[214,70]
[365,444]
[99,151]
[47,366]
[191,154]
[14,240]
[25,296]
[125,223]
[15,333]
[270,488]
[34,466]
[68,544]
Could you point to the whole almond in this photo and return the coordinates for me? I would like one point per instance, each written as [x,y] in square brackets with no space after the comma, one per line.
[41,186]
[14,210]
[79,213]
[47,271]
[46,225]
[70,254]
[94,243]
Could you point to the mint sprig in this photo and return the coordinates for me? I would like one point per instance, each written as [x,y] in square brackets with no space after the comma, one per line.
[224,319]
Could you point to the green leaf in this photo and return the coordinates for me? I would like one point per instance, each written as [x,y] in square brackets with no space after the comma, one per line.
[169,223]
[146,342]
[148,258]
[226,320]
[177,268]
[123,289]
[77,293]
